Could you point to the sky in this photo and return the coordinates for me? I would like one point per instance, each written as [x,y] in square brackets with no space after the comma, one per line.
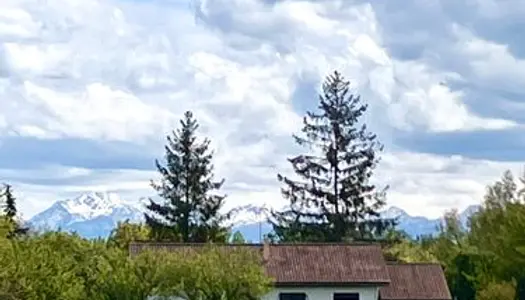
[90,88]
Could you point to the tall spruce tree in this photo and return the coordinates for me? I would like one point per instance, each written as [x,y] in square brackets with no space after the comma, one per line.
[333,200]
[190,212]
[10,212]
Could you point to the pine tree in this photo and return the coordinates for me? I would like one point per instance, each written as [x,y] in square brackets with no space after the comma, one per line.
[333,201]
[190,212]
[238,238]
[10,212]
[9,202]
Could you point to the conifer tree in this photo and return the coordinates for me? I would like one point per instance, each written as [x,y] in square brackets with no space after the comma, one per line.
[10,212]
[333,200]
[238,238]
[9,202]
[190,212]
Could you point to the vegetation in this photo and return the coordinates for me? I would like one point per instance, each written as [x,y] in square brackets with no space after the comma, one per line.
[238,238]
[191,209]
[65,266]
[334,200]
[488,260]
[10,212]
[125,233]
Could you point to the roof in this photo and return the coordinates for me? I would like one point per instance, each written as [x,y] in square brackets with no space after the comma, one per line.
[415,281]
[307,264]
[136,247]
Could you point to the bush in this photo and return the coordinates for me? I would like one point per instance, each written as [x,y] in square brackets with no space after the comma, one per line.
[212,273]
[499,291]
[63,266]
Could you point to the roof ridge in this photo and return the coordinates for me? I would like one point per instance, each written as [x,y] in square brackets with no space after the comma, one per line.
[325,244]
[190,244]
[412,263]
[259,244]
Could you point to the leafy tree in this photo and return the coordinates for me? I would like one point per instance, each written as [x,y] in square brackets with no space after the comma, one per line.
[215,273]
[500,291]
[190,212]
[67,267]
[498,227]
[127,232]
[463,281]
[409,251]
[334,199]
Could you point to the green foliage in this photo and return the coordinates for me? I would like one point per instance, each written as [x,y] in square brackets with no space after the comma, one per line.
[238,238]
[10,212]
[190,212]
[333,200]
[126,232]
[214,273]
[499,291]
[409,251]
[66,267]
[498,228]
[486,262]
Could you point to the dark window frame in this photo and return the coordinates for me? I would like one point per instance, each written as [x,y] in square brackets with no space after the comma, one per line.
[346,296]
[293,296]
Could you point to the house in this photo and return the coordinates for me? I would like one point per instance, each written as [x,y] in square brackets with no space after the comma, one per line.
[337,272]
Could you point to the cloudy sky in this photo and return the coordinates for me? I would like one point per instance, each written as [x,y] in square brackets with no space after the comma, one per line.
[89,88]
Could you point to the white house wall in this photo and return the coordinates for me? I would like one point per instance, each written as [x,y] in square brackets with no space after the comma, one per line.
[312,293]
[325,293]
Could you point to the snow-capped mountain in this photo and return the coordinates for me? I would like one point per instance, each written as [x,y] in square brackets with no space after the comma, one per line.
[417,225]
[92,214]
[96,214]
[412,225]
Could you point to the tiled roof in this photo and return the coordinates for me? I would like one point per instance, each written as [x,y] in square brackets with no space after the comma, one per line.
[137,247]
[415,281]
[325,264]
[308,264]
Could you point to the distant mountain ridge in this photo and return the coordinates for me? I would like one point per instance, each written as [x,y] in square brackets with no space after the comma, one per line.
[95,214]
[90,215]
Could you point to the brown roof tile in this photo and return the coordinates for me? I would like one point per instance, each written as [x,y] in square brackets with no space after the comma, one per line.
[415,281]
[326,264]
[136,247]
[314,264]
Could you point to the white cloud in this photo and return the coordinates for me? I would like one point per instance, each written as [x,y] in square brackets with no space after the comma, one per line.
[426,184]
[422,184]
[129,70]
[491,63]
[98,112]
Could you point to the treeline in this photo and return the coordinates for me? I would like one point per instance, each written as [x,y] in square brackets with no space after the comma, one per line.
[65,266]
[330,197]
[487,261]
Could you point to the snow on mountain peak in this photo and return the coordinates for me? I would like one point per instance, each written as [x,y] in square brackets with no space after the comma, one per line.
[92,214]
[92,204]
[393,212]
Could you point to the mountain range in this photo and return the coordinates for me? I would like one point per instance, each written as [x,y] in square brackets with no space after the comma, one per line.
[95,214]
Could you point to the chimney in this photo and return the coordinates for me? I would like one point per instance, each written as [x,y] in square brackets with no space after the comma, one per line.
[266,251]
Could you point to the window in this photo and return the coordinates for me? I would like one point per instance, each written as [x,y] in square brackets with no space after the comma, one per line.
[346,296]
[292,296]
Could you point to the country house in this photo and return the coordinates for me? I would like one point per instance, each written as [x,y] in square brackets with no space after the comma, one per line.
[337,272]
